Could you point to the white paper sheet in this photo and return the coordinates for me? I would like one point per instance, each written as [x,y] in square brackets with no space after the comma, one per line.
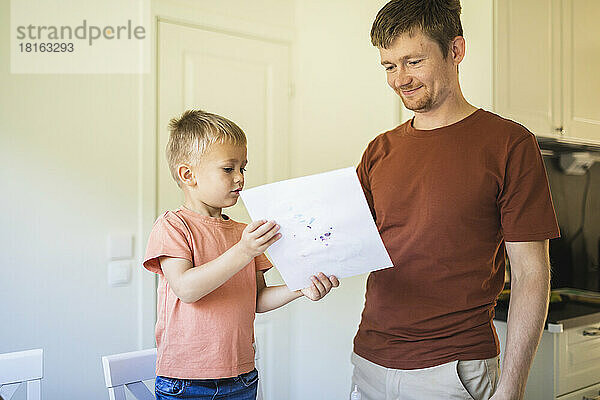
[326,226]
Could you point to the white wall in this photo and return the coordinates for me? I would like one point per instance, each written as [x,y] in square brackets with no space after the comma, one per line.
[342,99]
[476,70]
[68,173]
[77,159]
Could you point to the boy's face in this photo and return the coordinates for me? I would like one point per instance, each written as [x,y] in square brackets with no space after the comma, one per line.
[418,72]
[219,177]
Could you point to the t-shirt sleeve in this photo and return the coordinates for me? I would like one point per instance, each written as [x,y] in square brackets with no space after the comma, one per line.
[362,170]
[262,262]
[169,238]
[525,204]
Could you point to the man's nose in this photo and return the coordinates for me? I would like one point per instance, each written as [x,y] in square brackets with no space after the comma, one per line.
[401,78]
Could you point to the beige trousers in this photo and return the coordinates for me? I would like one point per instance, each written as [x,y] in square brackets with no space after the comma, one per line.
[464,380]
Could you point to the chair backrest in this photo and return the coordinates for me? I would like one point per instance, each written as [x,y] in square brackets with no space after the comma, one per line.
[22,367]
[129,370]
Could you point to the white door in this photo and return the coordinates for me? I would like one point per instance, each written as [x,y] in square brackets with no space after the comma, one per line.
[246,80]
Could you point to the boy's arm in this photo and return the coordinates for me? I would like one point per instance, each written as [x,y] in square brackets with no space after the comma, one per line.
[272,297]
[191,284]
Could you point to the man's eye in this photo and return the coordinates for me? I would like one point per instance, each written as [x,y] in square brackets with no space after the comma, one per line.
[414,62]
[389,68]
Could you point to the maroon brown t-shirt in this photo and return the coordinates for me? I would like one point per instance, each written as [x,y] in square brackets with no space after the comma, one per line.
[444,201]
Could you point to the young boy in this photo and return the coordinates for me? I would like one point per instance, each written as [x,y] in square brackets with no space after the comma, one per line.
[211,268]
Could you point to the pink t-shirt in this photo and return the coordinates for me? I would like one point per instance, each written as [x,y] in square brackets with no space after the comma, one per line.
[211,338]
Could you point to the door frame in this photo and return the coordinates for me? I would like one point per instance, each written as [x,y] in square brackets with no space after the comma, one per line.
[186,13]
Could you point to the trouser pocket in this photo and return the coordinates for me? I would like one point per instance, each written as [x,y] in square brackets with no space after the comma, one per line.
[250,378]
[478,377]
[169,386]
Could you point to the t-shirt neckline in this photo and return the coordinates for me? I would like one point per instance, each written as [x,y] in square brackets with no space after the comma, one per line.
[227,221]
[409,130]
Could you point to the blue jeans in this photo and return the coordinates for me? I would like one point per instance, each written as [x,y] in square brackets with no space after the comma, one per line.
[242,387]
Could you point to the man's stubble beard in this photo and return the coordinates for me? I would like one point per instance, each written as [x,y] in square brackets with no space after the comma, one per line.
[422,104]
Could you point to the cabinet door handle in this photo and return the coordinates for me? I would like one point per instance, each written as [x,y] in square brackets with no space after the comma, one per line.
[591,332]
[559,130]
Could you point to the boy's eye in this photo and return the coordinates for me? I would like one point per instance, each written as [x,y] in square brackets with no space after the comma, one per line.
[242,170]
[228,170]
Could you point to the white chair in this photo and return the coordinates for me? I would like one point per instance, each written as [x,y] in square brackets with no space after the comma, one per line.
[22,367]
[129,370]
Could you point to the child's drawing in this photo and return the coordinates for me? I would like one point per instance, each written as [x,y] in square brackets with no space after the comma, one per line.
[325,225]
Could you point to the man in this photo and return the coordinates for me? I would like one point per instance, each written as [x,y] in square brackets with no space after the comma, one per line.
[451,190]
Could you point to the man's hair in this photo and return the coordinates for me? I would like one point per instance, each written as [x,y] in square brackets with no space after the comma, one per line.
[438,19]
[193,132]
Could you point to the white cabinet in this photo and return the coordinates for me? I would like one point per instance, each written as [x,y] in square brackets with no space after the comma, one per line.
[566,364]
[527,63]
[581,68]
[546,66]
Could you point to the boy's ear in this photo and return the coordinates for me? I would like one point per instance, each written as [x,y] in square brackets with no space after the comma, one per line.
[185,175]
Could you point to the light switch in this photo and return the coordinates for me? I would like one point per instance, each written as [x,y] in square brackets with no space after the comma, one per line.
[119,273]
[120,246]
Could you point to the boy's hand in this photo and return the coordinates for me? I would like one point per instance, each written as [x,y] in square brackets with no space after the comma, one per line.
[258,236]
[321,285]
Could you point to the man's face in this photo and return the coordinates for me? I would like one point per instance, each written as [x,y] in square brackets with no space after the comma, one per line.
[418,72]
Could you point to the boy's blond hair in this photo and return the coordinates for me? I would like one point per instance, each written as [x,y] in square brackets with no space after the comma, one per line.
[193,132]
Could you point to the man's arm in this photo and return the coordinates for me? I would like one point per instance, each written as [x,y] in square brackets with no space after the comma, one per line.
[530,288]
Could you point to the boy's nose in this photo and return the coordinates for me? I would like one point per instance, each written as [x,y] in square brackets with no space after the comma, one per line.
[239,178]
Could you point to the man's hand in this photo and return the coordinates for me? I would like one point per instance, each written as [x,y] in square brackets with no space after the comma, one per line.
[321,285]
[258,236]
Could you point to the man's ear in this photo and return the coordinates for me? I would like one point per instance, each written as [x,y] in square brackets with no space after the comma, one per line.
[457,49]
[185,175]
